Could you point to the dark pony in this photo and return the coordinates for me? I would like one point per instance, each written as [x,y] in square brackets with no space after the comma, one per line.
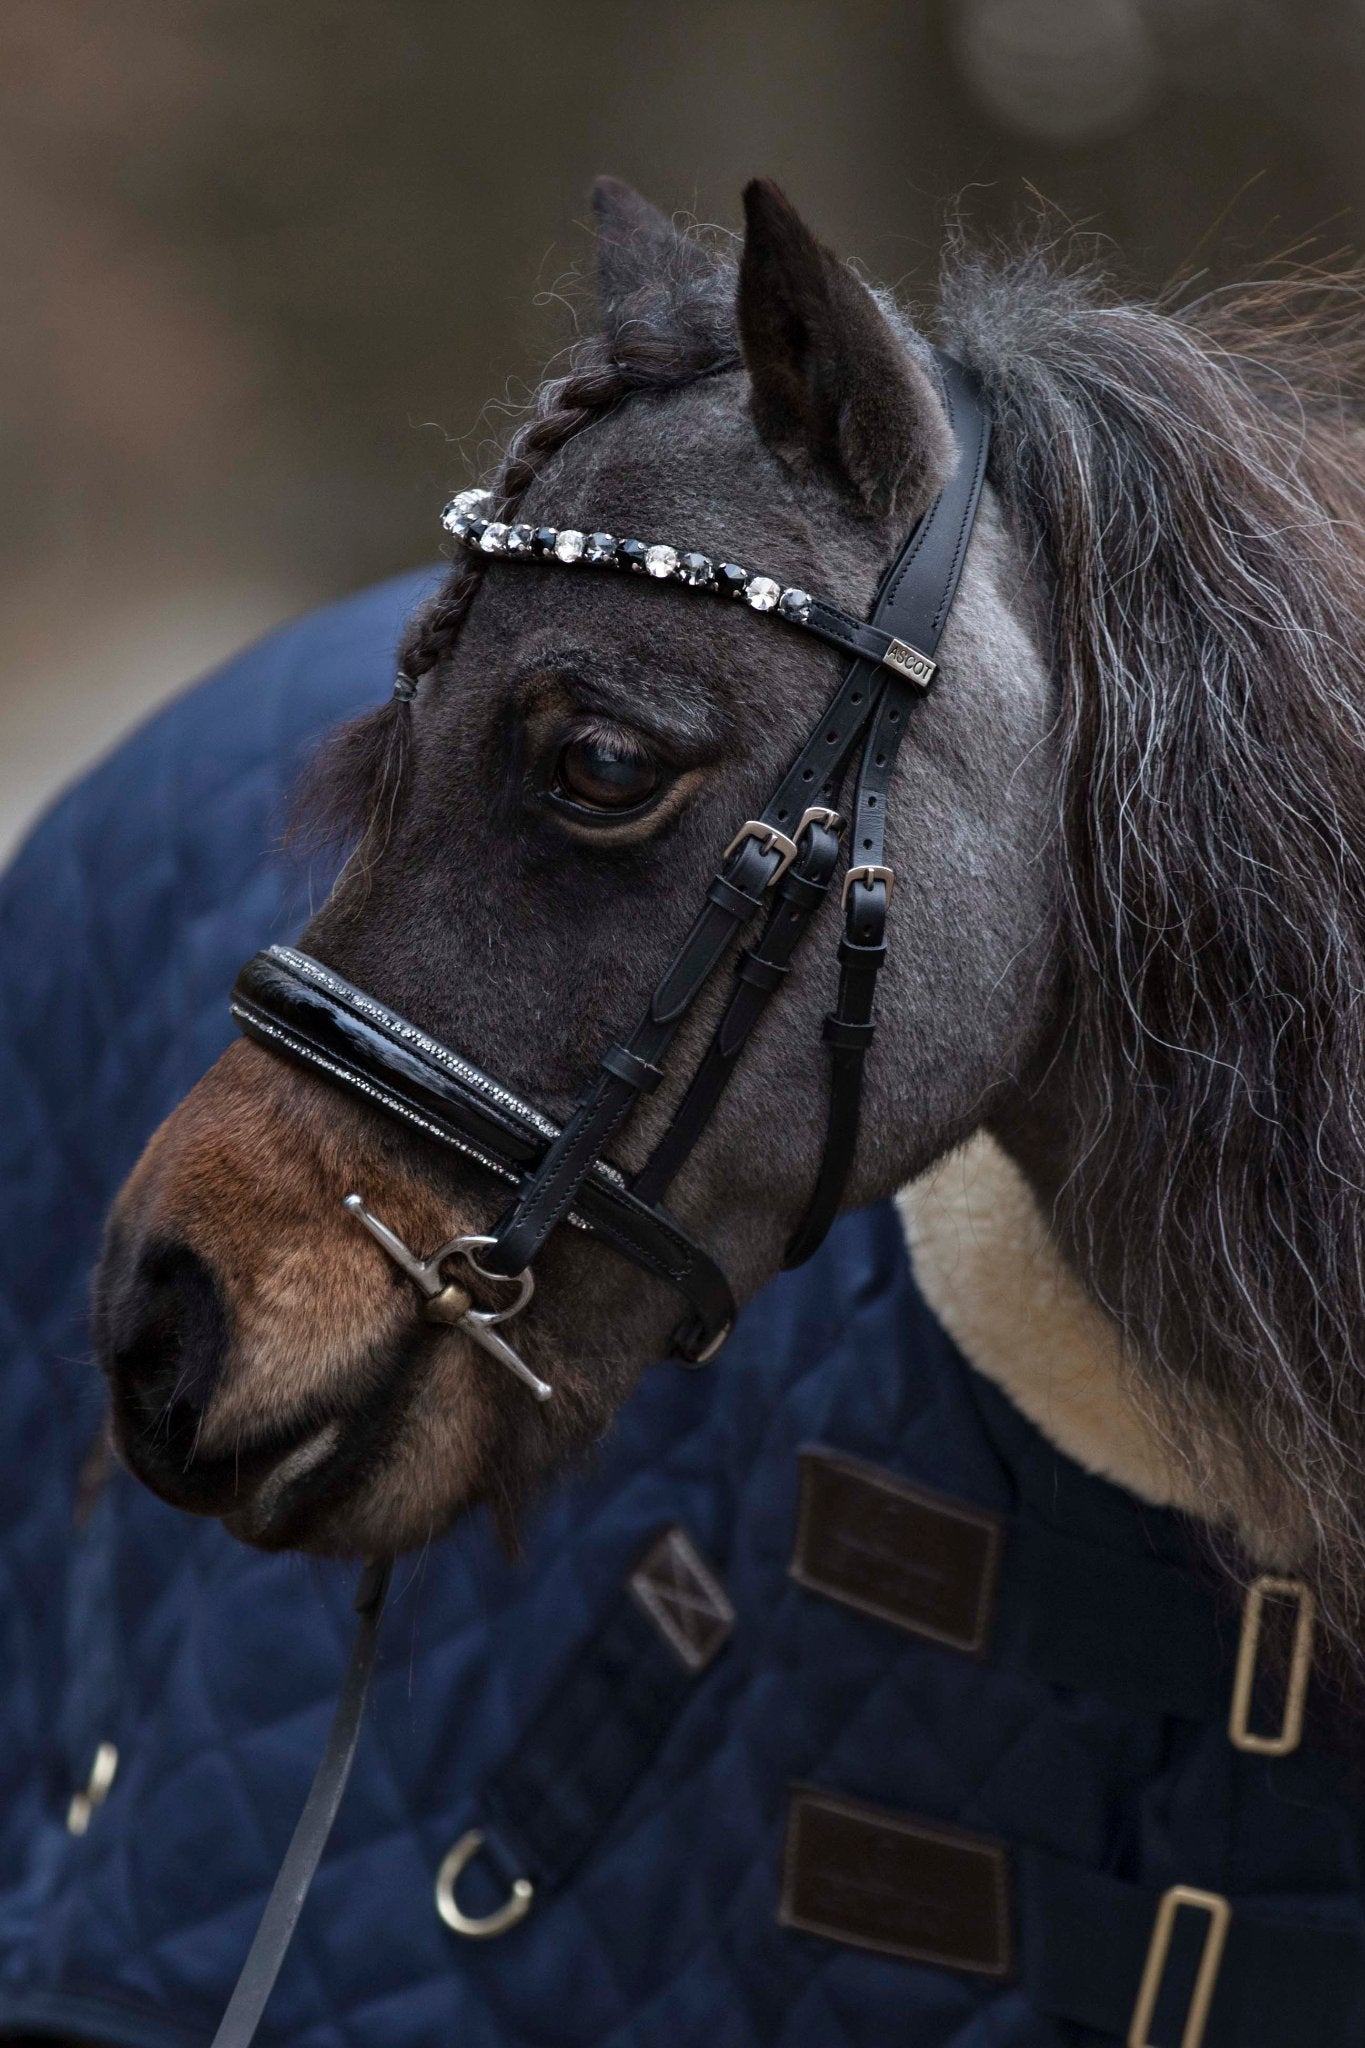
[1187,485]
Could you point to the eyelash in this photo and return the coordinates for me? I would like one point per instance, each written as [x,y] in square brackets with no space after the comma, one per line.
[595,730]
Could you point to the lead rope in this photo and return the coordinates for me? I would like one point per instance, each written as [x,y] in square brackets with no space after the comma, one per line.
[252,1990]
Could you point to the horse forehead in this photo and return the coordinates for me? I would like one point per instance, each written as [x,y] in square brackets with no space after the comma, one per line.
[665,461]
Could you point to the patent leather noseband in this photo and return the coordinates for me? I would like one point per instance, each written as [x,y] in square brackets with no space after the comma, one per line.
[784,861]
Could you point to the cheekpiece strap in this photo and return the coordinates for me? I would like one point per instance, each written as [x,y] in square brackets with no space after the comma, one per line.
[913,604]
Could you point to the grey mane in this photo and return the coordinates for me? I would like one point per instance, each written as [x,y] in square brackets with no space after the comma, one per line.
[1190,484]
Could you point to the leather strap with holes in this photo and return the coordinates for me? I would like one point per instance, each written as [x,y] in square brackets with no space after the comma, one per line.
[915,603]
[759,972]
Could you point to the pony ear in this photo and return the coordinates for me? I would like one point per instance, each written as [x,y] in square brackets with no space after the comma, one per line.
[833,385]
[637,246]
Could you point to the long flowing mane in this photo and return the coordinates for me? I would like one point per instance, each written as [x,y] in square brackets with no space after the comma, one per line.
[1191,483]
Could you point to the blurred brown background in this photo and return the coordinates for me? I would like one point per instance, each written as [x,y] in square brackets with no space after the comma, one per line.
[266,263]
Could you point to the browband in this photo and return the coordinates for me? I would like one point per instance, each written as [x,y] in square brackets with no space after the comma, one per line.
[465,519]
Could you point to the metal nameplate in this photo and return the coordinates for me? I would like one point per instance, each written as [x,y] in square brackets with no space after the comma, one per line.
[910,663]
[871,1540]
[887,1881]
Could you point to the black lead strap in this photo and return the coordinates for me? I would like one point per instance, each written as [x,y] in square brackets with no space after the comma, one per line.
[252,1990]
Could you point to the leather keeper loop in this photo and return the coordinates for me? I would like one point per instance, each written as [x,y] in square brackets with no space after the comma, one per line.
[738,902]
[852,954]
[764,974]
[804,894]
[635,1072]
[853,1037]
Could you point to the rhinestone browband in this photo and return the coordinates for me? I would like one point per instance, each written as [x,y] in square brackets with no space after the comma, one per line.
[466,519]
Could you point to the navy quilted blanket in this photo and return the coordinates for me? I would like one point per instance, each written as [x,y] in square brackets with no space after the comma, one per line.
[212,1671]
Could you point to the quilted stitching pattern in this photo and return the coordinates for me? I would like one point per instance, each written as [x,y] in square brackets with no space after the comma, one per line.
[215,1670]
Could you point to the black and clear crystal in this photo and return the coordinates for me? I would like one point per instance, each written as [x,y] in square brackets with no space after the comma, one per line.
[519,539]
[694,569]
[795,605]
[600,549]
[475,531]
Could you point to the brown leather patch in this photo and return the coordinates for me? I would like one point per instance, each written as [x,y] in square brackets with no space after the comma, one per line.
[905,1887]
[683,1598]
[871,1540]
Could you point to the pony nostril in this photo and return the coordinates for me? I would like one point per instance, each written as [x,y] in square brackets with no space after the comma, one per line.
[164,1337]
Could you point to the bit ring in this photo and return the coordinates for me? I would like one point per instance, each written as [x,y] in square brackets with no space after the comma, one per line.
[524,1282]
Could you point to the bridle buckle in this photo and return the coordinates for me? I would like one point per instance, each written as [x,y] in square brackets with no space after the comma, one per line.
[869,874]
[774,841]
[771,841]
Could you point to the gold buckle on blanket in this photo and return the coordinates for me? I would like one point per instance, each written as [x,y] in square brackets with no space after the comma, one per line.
[1290,1732]
[1158,1954]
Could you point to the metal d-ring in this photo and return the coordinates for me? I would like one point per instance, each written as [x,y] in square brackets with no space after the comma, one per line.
[486,1926]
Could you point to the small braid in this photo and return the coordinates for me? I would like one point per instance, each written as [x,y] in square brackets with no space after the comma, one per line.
[664,336]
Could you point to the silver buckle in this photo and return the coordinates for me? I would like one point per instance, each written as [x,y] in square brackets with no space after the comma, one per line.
[868,874]
[1158,1954]
[774,841]
[771,839]
[820,814]
[1240,1732]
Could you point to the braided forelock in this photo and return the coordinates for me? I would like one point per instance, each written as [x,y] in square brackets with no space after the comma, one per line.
[672,330]
[676,326]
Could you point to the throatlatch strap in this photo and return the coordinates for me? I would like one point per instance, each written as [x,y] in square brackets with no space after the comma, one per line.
[252,1990]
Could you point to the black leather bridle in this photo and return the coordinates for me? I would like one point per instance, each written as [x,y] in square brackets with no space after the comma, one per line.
[785,859]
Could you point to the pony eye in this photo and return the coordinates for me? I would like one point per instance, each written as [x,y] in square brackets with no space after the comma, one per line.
[605,772]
